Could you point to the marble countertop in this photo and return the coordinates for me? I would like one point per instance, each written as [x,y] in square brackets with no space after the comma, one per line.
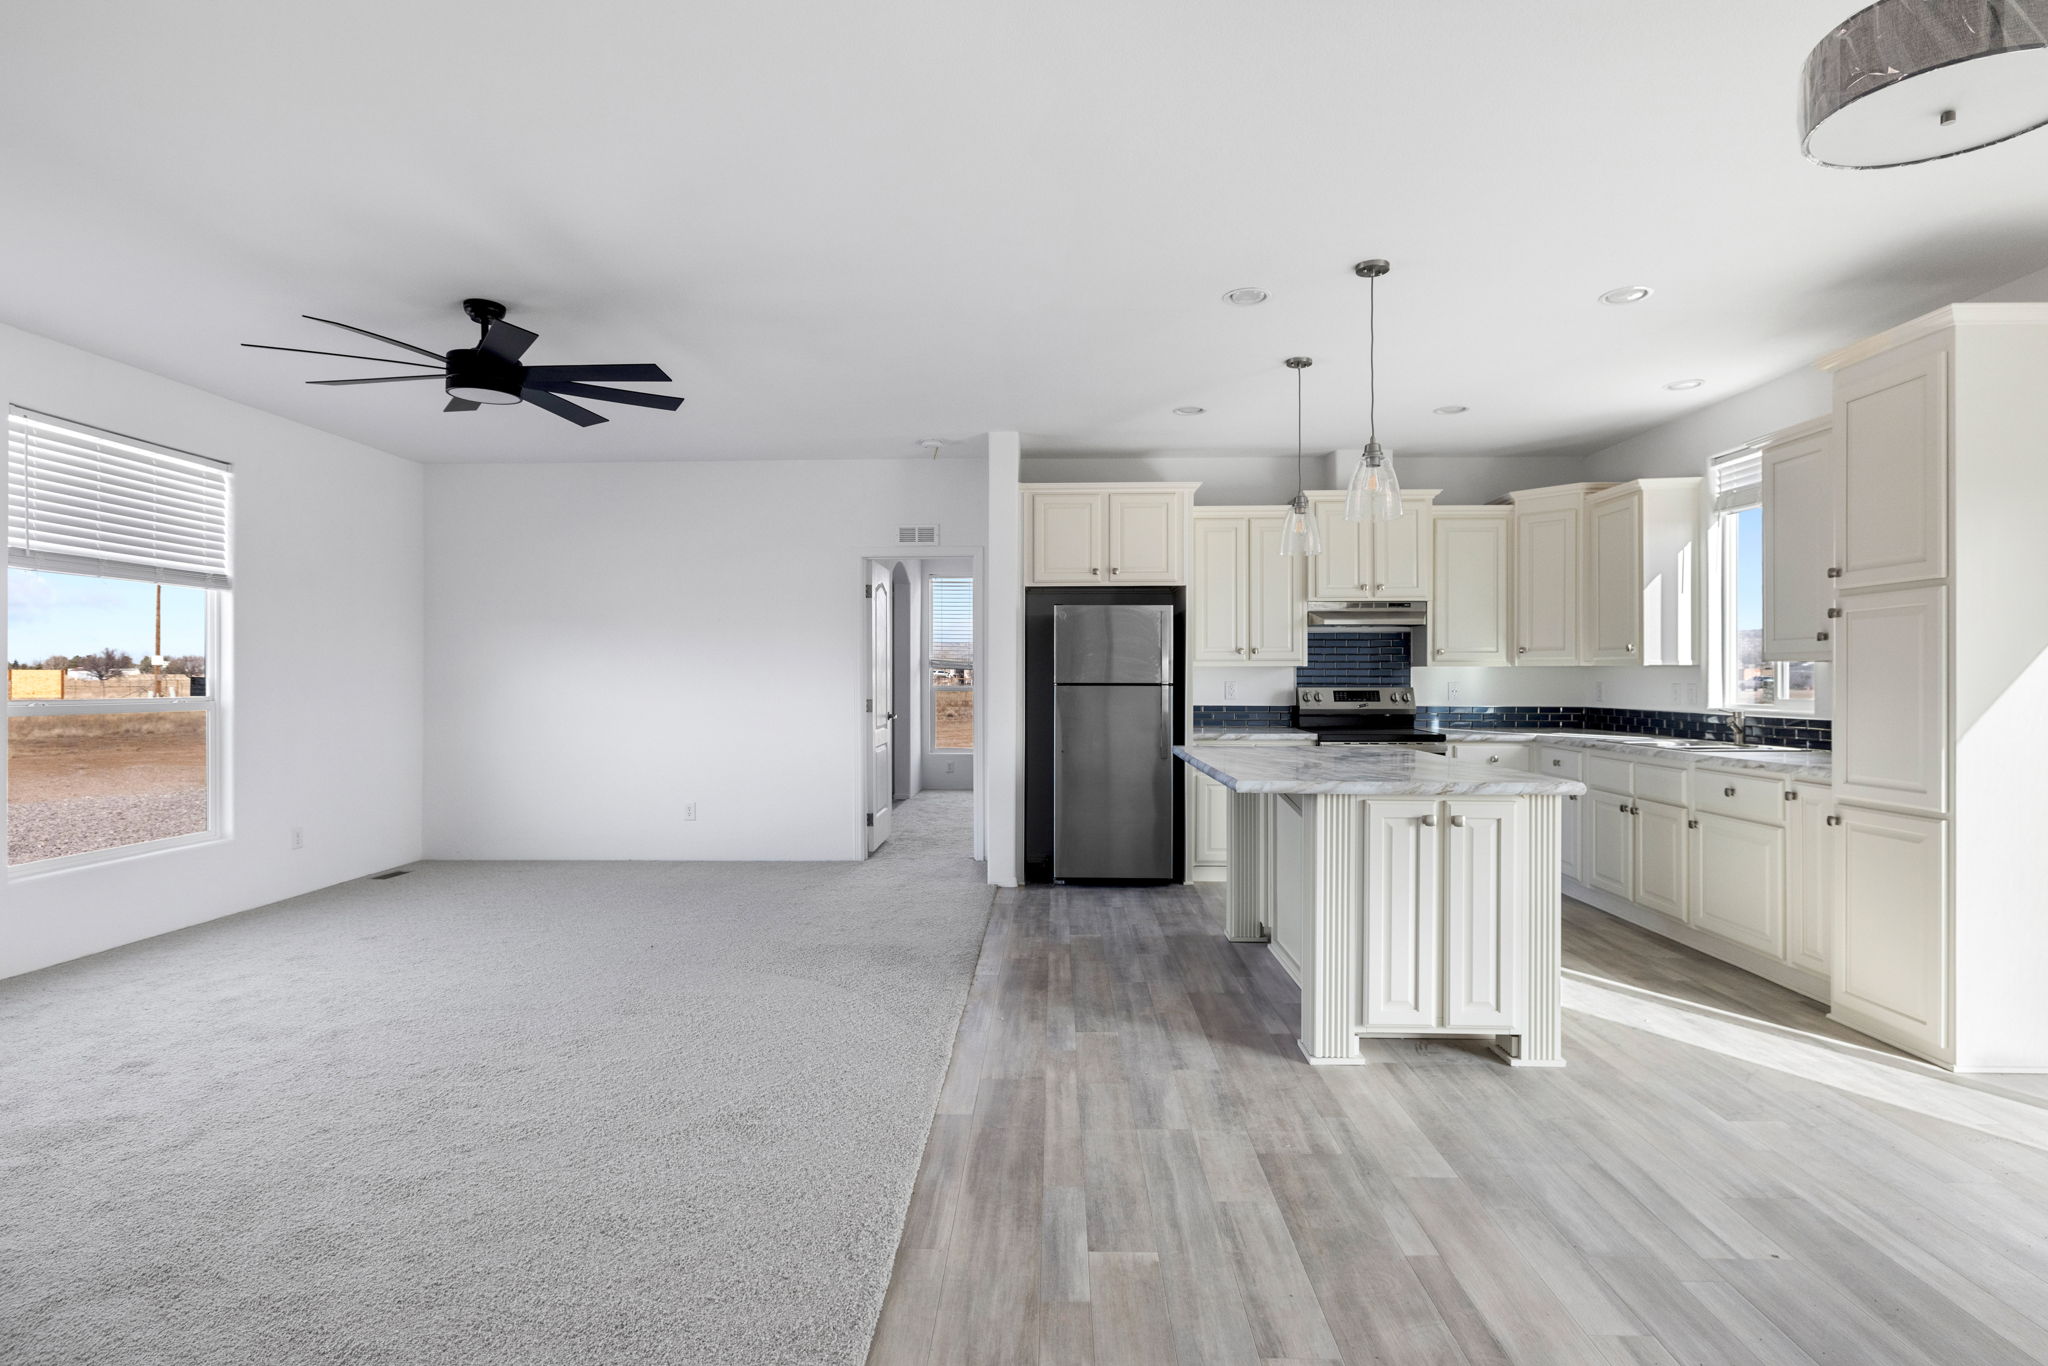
[1230,735]
[1806,765]
[1362,771]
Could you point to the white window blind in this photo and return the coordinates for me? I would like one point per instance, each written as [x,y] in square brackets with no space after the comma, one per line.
[84,501]
[952,621]
[1738,479]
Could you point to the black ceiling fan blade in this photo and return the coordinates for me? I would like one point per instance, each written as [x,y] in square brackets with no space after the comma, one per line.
[630,374]
[598,391]
[378,336]
[379,379]
[562,407]
[506,342]
[462,405]
[345,355]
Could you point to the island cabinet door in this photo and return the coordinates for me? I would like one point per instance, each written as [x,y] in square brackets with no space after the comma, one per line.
[1610,859]
[1484,915]
[1402,904]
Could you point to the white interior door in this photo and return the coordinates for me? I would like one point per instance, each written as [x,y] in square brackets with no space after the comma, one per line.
[880,706]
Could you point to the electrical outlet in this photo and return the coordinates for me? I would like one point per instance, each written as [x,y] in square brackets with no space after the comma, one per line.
[690,811]
[1452,692]
[1600,693]
[949,765]
[1230,690]
[298,837]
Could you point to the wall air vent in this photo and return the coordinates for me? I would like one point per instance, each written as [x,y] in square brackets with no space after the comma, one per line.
[917,535]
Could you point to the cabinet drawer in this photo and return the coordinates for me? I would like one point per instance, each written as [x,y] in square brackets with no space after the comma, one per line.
[1610,775]
[1660,784]
[1560,763]
[1743,796]
[1497,755]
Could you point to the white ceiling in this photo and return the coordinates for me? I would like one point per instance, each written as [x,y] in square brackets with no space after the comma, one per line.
[844,227]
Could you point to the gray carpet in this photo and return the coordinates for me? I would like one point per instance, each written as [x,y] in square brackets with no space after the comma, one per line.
[491,1113]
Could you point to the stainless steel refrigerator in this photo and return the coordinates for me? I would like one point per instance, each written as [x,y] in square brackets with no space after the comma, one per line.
[1113,724]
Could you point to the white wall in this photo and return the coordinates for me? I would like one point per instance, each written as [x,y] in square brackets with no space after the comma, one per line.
[999,781]
[322,670]
[609,642]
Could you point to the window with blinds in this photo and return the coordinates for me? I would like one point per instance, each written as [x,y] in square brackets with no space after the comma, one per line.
[84,501]
[951,638]
[1737,479]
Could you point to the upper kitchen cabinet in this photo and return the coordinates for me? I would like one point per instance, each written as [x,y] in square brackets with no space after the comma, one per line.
[1245,599]
[1796,468]
[1893,420]
[1106,533]
[1549,538]
[1642,571]
[1363,560]
[1469,610]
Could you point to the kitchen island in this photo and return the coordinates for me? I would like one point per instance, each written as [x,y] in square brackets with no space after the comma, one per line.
[1408,894]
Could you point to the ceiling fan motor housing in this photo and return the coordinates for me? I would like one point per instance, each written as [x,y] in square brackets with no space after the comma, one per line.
[481,377]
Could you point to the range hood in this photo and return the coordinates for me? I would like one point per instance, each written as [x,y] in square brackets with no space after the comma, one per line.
[1366,616]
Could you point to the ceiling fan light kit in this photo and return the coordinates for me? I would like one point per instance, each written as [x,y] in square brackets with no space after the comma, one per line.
[492,373]
[1907,81]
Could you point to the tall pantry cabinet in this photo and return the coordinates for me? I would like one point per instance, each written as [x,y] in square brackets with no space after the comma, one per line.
[1941,686]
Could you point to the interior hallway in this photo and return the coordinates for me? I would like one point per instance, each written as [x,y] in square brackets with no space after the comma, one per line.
[1131,1164]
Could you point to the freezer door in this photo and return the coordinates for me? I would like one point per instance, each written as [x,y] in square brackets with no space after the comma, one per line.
[1112,644]
[1113,782]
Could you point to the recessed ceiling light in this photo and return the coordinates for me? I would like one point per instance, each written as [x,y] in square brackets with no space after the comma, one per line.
[1453,409]
[1191,411]
[1246,296]
[1685,384]
[1627,294]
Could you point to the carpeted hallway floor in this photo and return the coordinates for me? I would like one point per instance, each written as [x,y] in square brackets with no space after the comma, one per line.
[490,1113]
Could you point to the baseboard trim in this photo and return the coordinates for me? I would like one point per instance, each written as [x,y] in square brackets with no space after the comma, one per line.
[1808,984]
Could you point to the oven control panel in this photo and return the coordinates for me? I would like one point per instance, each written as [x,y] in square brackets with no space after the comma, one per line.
[1354,699]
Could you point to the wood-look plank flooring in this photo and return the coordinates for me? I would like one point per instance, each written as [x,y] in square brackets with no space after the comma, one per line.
[1132,1164]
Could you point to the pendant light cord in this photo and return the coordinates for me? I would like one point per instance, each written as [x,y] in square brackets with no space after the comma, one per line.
[1372,361]
[1299,487]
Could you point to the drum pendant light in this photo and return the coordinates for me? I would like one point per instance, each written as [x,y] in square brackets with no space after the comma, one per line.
[1299,535]
[1375,492]
[1907,81]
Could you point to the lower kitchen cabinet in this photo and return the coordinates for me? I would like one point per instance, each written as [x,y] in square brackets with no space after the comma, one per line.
[1609,860]
[1574,837]
[1445,922]
[1495,752]
[1208,808]
[1812,878]
[1660,856]
[1738,881]
[1891,964]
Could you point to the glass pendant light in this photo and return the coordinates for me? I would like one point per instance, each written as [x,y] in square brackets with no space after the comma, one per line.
[1299,535]
[1375,491]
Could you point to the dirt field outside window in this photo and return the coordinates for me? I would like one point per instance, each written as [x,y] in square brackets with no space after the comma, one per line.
[77,783]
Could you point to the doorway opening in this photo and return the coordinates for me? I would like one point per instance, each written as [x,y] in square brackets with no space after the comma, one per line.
[921,741]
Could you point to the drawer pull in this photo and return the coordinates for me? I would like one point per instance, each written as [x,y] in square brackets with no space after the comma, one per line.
[1727,791]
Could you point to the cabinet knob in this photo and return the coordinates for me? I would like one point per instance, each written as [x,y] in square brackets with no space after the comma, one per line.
[1429,820]
[1521,649]
[1240,649]
[1834,612]
[1557,763]
[1493,758]
[1093,570]
[1439,649]
[1834,820]
[1727,791]
[1114,570]
[1635,811]
[1255,649]
[1458,821]
[1631,647]
[1623,808]
[1572,798]
[1820,635]
[1834,573]
[1791,794]
[1692,825]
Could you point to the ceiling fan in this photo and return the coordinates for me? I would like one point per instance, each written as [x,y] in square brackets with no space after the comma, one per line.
[490,372]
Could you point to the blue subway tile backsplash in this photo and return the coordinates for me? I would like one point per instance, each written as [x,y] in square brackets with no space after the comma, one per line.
[1362,659]
[1805,732]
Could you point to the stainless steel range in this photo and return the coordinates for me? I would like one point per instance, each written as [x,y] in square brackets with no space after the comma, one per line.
[1363,716]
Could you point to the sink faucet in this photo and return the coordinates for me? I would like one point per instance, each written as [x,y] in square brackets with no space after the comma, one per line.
[1735,728]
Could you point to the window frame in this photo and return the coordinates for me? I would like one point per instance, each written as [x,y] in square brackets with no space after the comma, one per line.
[1723,650]
[929,663]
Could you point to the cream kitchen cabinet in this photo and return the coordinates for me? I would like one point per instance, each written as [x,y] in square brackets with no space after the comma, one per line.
[1470,606]
[1566,763]
[1501,754]
[1102,534]
[1245,599]
[1893,419]
[1445,936]
[1609,831]
[1891,698]
[1549,576]
[1891,966]
[1661,862]
[1643,580]
[1812,877]
[1366,560]
[1738,881]
[1208,811]
[1796,470]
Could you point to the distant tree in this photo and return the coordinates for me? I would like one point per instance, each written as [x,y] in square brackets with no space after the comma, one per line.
[105,664]
[192,666]
[57,662]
